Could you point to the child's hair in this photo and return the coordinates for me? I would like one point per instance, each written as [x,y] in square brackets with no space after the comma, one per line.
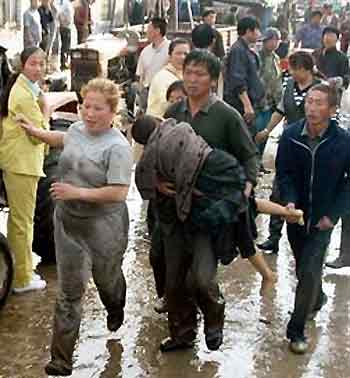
[175,86]
[143,128]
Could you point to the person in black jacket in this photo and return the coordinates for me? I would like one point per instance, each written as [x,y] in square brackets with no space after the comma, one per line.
[209,18]
[243,88]
[5,69]
[308,152]
[329,60]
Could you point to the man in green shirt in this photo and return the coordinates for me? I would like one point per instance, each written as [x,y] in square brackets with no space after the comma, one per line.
[185,250]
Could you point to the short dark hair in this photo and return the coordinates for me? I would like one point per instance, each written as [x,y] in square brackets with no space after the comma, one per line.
[247,23]
[316,13]
[178,41]
[142,128]
[159,23]
[203,36]
[208,12]
[177,85]
[329,89]
[206,58]
[301,59]
[330,30]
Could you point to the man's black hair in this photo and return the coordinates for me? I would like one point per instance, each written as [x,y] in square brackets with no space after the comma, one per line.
[177,85]
[206,58]
[159,23]
[330,30]
[178,41]
[203,36]
[247,23]
[208,12]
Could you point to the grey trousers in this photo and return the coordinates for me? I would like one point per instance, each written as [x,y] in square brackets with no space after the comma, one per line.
[85,246]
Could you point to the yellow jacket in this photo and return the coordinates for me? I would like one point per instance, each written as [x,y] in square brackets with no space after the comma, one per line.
[20,153]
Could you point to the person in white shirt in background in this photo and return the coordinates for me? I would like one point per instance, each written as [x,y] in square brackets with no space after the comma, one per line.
[157,102]
[32,31]
[152,58]
[65,18]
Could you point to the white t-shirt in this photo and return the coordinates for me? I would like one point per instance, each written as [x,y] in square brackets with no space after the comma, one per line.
[151,61]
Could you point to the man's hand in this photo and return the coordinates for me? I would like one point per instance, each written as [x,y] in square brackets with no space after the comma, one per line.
[64,192]
[324,224]
[249,114]
[248,189]
[167,188]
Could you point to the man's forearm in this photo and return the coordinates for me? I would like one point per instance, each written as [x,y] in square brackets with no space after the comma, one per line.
[243,96]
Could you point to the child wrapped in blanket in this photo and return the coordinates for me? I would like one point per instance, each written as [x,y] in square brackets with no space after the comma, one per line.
[208,189]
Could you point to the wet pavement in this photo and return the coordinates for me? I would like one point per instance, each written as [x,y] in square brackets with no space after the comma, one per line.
[254,337]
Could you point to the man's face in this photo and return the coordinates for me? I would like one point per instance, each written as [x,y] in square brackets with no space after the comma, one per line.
[197,80]
[152,33]
[34,4]
[178,55]
[330,40]
[299,74]
[317,109]
[271,44]
[210,19]
[252,35]
[316,20]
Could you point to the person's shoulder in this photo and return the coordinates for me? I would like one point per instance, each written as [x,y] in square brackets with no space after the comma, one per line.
[294,129]
[118,138]
[225,110]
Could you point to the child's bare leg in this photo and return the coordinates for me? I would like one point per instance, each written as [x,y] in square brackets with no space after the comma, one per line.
[261,266]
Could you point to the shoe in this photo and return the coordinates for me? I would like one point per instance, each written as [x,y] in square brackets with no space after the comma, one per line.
[314,313]
[53,368]
[299,346]
[170,345]
[34,284]
[338,263]
[269,245]
[115,320]
[264,170]
[214,339]
[161,306]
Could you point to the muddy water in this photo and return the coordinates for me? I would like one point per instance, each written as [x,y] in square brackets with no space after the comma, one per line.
[254,344]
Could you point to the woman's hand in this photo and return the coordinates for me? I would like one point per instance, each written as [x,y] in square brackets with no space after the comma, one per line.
[28,127]
[65,192]
[166,188]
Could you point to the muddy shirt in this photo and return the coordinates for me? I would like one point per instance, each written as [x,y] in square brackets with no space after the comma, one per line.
[94,162]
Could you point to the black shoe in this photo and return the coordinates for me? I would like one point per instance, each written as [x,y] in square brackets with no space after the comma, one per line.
[299,346]
[115,320]
[170,345]
[314,313]
[269,245]
[214,339]
[338,263]
[55,369]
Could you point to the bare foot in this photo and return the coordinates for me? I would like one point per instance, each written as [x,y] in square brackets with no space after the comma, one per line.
[267,284]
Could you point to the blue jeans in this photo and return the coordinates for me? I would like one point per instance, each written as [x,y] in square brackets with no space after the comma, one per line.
[261,121]
[309,252]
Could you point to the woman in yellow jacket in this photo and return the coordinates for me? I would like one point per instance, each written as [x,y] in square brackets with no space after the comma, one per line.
[21,159]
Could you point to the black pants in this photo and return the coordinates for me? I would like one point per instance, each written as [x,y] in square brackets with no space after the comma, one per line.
[65,35]
[191,268]
[276,222]
[309,251]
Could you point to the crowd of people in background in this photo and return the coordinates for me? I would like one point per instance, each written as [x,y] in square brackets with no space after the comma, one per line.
[205,113]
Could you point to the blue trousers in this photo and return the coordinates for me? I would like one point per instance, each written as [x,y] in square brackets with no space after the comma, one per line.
[309,251]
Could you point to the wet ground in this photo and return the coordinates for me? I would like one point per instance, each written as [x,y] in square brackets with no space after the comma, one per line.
[254,344]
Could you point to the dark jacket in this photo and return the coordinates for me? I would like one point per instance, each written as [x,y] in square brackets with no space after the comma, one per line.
[5,71]
[218,48]
[316,181]
[242,74]
[333,63]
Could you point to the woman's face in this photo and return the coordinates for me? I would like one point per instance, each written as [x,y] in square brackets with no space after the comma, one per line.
[34,67]
[96,112]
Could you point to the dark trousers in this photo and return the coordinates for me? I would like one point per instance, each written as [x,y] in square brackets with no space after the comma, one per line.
[309,251]
[65,35]
[191,269]
[276,222]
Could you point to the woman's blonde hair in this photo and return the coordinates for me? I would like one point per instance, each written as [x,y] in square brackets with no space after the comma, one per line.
[107,88]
